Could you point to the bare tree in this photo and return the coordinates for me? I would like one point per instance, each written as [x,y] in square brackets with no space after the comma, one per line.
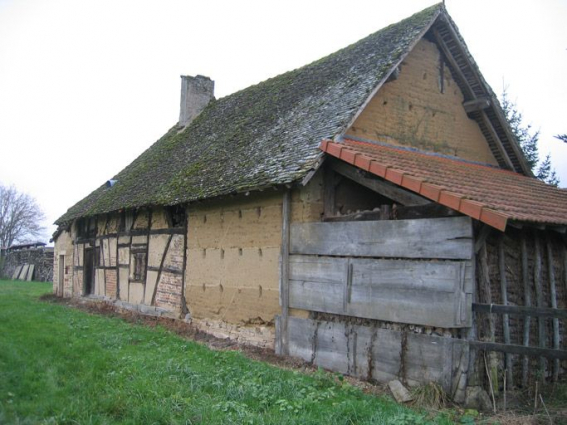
[21,217]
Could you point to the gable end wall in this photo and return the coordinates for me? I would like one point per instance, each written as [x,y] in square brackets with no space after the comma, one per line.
[412,111]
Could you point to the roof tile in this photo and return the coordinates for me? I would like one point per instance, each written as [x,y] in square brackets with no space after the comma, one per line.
[483,192]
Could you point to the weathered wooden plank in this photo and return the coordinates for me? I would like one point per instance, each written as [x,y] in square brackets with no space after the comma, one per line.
[386,355]
[520,311]
[29,274]
[527,303]
[488,326]
[24,272]
[438,238]
[329,193]
[316,283]
[17,272]
[284,270]
[369,352]
[505,318]
[429,359]
[302,338]
[418,292]
[406,291]
[549,353]
[332,347]
[539,300]
[553,296]
[376,184]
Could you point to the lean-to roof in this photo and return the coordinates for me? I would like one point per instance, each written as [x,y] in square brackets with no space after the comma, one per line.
[489,194]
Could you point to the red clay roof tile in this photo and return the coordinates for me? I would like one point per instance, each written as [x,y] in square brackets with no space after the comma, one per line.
[483,192]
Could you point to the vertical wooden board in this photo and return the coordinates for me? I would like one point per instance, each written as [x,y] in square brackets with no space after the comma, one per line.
[123,275]
[278,341]
[331,347]
[362,348]
[17,272]
[441,238]
[136,293]
[301,337]
[29,274]
[151,282]
[24,272]
[429,358]
[386,355]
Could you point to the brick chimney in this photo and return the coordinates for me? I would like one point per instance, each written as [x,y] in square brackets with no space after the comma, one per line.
[196,93]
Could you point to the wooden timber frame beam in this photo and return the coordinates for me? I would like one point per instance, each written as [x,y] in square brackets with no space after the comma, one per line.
[472,96]
[475,105]
[284,273]
[382,187]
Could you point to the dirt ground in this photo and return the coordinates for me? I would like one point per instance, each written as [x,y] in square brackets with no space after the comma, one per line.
[516,416]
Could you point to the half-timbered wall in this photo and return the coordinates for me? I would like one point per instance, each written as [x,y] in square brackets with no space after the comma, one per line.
[136,257]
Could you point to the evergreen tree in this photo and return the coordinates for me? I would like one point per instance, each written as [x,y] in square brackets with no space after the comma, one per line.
[528,140]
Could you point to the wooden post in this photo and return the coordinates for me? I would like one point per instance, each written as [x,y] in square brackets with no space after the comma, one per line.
[539,302]
[484,290]
[564,249]
[553,296]
[505,318]
[284,272]
[329,192]
[527,303]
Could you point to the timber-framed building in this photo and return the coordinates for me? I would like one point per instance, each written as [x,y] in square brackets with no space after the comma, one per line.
[371,213]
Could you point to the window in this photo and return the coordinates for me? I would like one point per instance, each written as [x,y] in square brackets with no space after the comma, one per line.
[86,227]
[176,215]
[139,266]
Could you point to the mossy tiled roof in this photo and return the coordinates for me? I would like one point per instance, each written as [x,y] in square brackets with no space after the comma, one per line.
[265,135]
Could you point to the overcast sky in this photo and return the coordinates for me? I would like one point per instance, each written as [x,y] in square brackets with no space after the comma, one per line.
[86,86]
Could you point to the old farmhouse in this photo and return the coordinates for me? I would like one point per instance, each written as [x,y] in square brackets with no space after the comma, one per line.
[370,212]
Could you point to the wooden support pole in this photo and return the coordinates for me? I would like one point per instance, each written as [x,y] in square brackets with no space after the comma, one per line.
[527,303]
[553,296]
[486,297]
[329,192]
[564,252]
[284,272]
[539,303]
[504,295]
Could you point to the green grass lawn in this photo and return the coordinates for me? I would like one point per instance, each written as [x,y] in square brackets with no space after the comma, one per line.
[59,365]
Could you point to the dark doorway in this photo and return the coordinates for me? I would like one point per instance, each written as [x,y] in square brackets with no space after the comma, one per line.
[89,271]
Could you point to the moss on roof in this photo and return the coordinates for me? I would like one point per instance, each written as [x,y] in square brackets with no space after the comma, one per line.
[265,135]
